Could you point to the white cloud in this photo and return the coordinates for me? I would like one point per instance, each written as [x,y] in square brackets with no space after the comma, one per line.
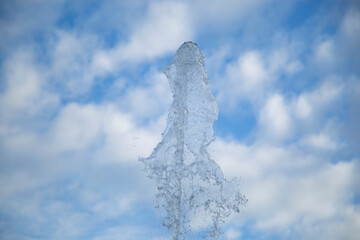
[293,67]
[124,141]
[325,54]
[247,78]
[75,128]
[320,141]
[70,62]
[274,119]
[310,105]
[221,15]
[25,87]
[249,74]
[21,19]
[303,107]
[233,234]
[96,148]
[279,60]
[150,100]
[282,118]
[114,207]
[252,77]
[103,131]
[350,25]
[251,71]
[339,51]
[164,27]
[44,143]
[287,187]
[131,232]
[348,40]
[23,81]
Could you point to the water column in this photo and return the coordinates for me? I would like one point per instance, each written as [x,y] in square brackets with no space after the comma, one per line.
[190,184]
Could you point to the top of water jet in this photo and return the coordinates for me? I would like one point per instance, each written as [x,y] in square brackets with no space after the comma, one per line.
[189,52]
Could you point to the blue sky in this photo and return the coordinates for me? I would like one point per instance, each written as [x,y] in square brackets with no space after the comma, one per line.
[82,97]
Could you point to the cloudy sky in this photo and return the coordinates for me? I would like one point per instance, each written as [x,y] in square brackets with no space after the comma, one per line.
[82,97]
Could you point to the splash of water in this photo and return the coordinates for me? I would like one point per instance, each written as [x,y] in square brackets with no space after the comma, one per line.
[191,186]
